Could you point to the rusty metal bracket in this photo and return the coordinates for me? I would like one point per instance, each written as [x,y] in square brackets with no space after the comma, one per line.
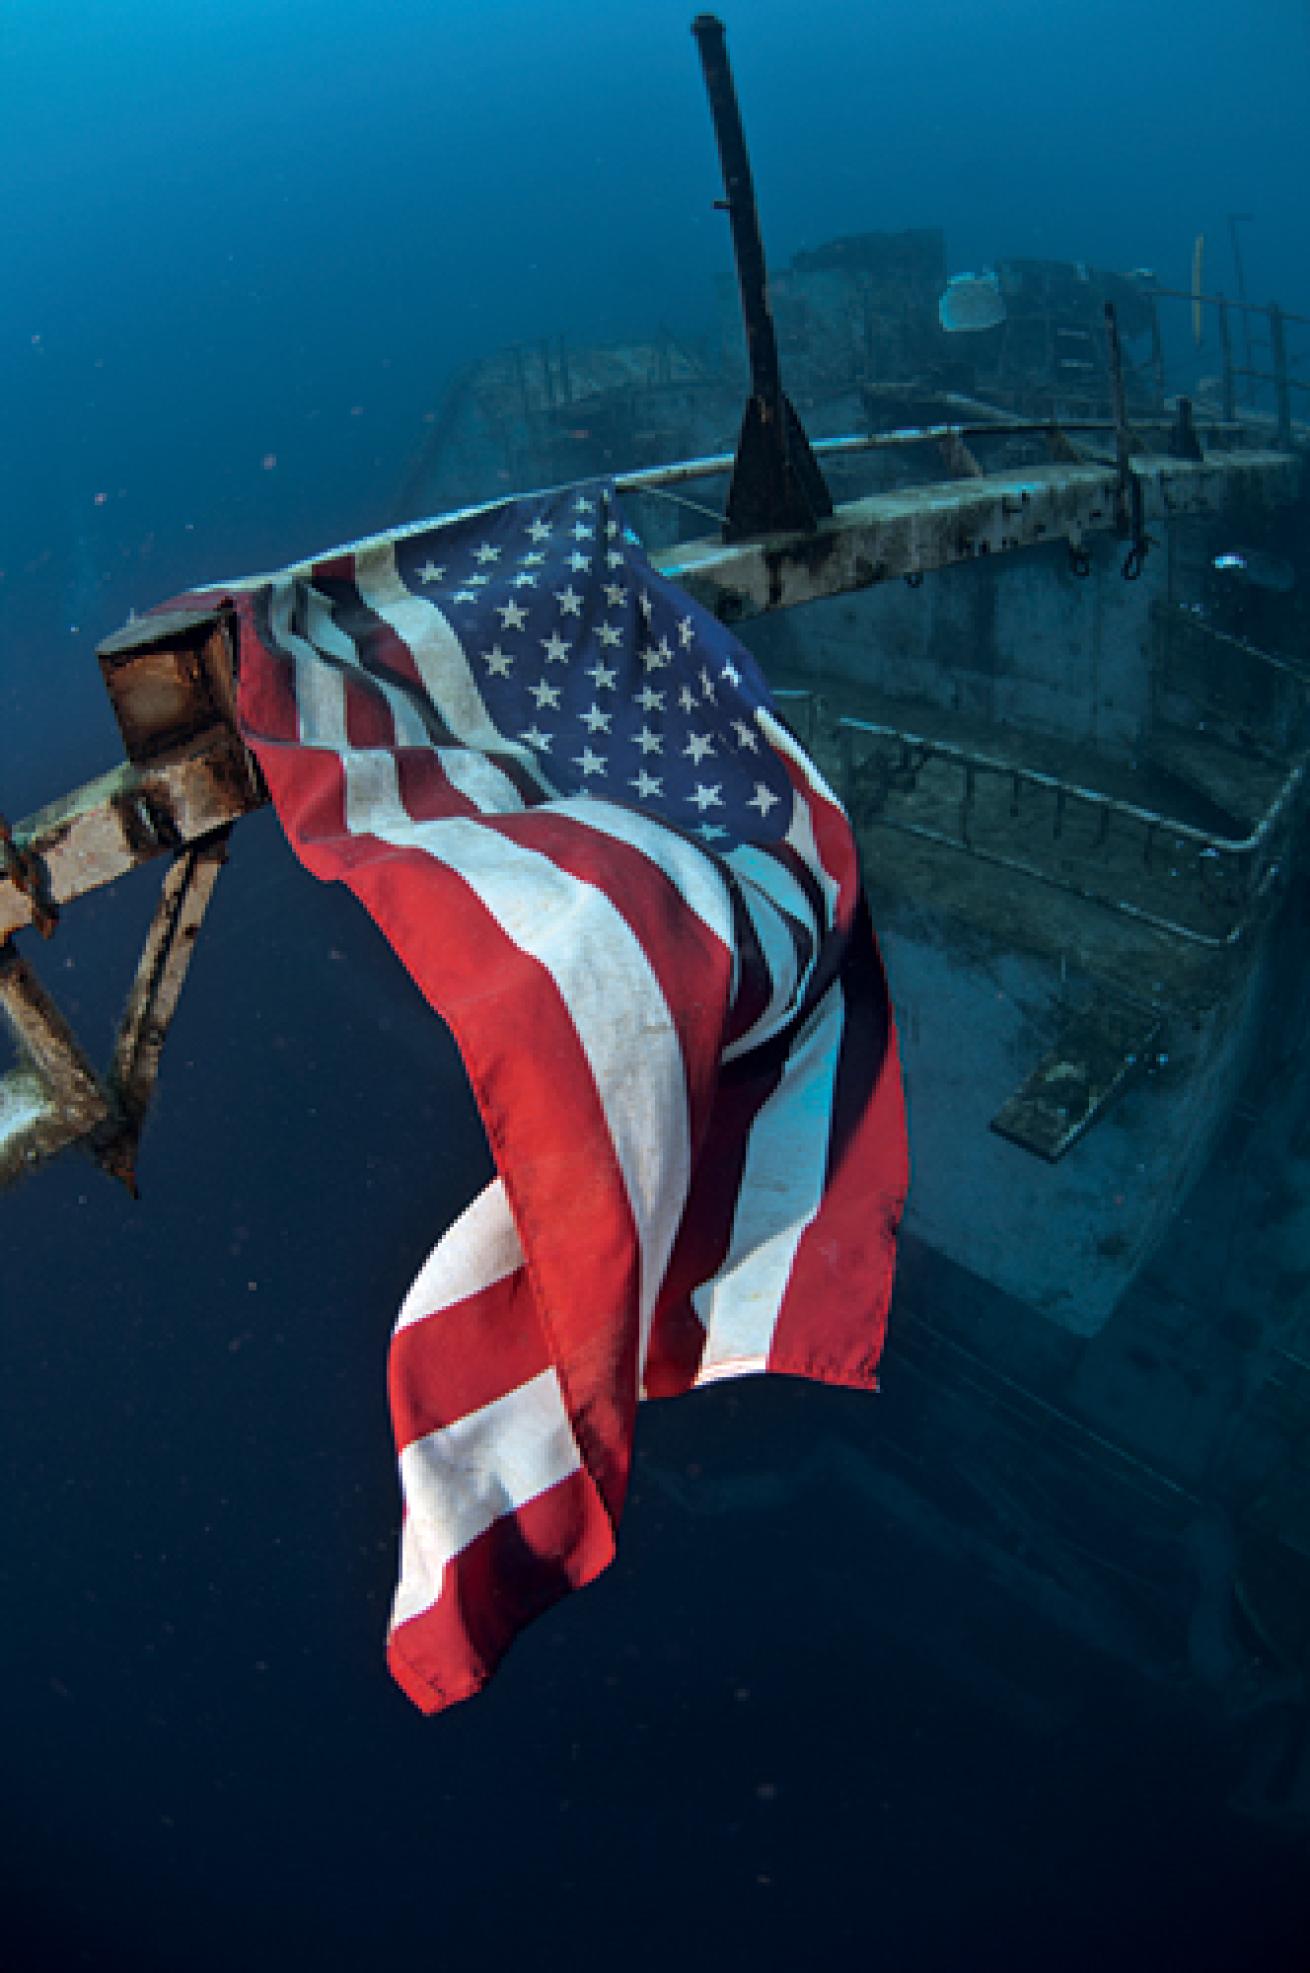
[188,772]
[187,778]
[25,871]
[54,1098]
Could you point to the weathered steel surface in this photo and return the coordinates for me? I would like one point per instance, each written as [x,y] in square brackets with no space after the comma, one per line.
[929,527]
[169,678]
[54,1097]
[171,683]
[187,890]
[131,814]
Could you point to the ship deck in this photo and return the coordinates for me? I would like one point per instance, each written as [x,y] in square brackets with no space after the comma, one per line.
[1006,853]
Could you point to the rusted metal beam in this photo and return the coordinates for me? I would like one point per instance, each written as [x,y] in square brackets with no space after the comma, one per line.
[170,677]
[129,815]
[927,527]
[187,779]
[161,972]
[170,681]
[53,1097]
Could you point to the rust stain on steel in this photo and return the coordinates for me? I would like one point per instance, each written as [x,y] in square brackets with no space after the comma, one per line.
[146,823]
[169,679]
[131,814]
[54,1097]
[919,528]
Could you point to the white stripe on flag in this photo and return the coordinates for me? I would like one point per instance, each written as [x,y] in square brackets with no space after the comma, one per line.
[320,690]
[461,1479]
[430,639]
[781,1189]
[778,945]
[482,1247]
[687,868]
[321,700]
[324,634]
[605,980]
[480,781]
[782,743]
[439,657]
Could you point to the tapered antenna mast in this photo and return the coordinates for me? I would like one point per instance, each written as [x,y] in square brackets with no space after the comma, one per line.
[776,482]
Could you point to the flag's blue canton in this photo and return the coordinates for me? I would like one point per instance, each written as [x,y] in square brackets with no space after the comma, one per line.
[618,685]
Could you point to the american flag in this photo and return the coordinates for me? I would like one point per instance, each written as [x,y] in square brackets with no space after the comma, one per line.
[561,790]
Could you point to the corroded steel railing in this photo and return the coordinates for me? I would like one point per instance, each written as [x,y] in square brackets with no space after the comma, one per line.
[1236,870]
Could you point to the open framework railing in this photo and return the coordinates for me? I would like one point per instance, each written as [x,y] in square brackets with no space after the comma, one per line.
[1280,376]
[1232,874]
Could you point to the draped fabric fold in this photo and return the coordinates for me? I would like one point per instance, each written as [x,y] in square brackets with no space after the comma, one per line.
[563,793]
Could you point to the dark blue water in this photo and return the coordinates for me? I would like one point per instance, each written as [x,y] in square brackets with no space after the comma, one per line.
[809,1718]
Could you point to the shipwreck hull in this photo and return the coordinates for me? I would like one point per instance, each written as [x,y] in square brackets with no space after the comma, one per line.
[1077,864]
[975,1019]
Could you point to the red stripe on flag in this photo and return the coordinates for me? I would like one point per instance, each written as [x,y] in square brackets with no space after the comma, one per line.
[502,1581]
[677,1334]
[424,787]
[371,634]
[448,1364]
[266,682]
[548,1132]
[692,966]
[832,839]
[539,1104]
[368,716]
[844,1263]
